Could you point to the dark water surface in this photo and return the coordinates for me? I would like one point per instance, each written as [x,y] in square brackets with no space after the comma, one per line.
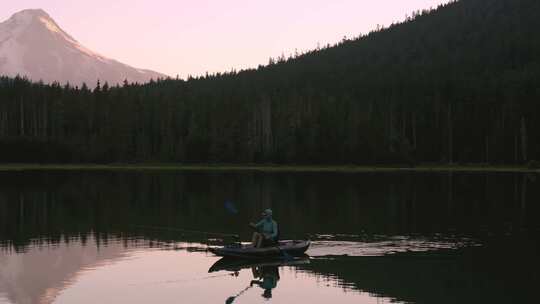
[85,237]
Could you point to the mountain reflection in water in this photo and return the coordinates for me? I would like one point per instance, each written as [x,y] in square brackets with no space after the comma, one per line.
[131,271]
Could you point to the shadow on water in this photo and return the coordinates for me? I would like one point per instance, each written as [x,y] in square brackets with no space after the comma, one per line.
[430,237]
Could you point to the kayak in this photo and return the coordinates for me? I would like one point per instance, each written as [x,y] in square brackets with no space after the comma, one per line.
[235,264]
[284,249]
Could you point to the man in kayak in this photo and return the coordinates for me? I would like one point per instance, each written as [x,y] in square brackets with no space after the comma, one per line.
[267,231]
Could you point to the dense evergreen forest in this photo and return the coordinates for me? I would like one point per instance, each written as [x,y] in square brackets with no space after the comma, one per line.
[459,84]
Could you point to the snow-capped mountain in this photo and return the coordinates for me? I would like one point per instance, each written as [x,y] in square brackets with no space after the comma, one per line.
[33,45]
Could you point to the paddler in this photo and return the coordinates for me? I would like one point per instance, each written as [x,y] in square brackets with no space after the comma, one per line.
[267,231]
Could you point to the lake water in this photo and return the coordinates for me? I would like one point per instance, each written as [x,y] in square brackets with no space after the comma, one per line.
[91,237]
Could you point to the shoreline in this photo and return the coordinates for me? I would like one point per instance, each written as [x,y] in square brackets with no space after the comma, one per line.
[264,168]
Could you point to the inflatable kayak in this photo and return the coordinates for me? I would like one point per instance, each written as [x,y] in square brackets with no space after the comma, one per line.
[282,249]
[235,264]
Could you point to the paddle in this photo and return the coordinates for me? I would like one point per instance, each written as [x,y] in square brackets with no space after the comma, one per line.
[229,206]
[232,298]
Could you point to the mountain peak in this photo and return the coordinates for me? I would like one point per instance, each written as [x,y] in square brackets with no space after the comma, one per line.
[29,17]
[30,14]
[36,21]
[38,12]
[34,45]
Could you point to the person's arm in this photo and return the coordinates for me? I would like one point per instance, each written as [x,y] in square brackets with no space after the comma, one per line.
[258,225]
[274,230]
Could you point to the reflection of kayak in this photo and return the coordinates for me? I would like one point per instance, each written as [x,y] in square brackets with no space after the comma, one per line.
[283,249]
[233,264]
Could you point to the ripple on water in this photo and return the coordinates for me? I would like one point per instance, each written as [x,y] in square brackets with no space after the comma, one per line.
[330,245]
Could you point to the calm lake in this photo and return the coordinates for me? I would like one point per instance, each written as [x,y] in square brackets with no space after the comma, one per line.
[92,237]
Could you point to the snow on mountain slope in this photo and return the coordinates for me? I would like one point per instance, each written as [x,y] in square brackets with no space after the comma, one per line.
[33,45]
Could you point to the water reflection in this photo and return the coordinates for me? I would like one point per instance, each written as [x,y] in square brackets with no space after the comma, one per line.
[40,273]
[265,272]
[138,270]
[56,205]
[132,271]
[266,277]
[444,238]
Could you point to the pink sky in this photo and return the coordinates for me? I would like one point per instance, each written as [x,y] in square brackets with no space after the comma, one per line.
[191,37]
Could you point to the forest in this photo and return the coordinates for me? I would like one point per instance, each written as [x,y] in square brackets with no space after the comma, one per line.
[456,84]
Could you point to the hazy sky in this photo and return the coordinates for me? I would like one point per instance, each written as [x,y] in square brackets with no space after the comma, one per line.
[191,37]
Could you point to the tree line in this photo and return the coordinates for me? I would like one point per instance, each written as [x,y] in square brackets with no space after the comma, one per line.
[458,84]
